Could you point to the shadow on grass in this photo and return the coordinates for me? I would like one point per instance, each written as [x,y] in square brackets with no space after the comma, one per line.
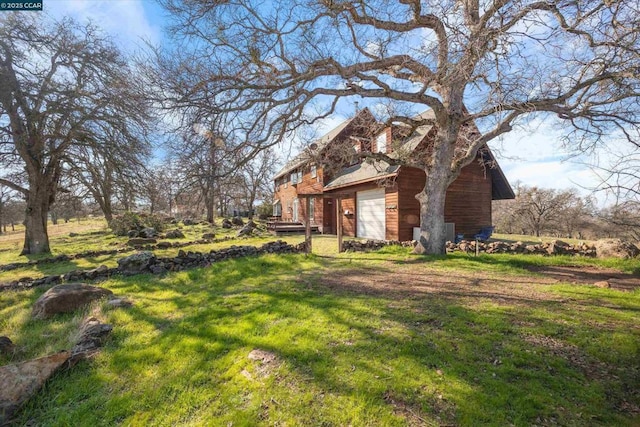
[346,352]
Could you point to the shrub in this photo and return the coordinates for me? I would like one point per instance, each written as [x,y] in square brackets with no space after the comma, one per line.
[122,224]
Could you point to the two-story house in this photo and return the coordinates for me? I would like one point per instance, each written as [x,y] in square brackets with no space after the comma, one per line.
[378,199]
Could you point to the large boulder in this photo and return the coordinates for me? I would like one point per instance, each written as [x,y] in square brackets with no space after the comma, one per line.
[236,220]
[20,381]
[66,299]
[136,263]
[174,234]
[247,229]
[558,247]
[141,241]
[226,223]
[616,248]
[148,233]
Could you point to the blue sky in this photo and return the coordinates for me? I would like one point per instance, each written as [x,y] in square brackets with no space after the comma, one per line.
[532,155]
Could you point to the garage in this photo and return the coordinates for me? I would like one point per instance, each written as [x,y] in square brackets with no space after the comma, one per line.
[370,212]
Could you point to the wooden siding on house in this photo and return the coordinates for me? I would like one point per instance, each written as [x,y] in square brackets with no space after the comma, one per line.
[410,181]
[468,202]
[467,205]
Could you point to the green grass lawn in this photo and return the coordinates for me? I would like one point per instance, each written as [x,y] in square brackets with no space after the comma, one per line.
[363,339]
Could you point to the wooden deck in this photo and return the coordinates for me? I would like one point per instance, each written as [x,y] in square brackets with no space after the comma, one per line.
[283,227]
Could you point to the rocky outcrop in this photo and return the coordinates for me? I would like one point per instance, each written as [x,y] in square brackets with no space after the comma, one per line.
[616,248]
[141,241]
[148,233]
[66,299]
[236,220]
[136,263]
[92,336]
[20,381]
[174,234]
[247,229]
[226,223]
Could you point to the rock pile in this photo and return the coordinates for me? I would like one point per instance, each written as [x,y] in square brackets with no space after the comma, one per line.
[247,229]
[616,248]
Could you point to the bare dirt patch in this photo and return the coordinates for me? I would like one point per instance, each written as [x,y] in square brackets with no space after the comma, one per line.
[590,276]
[417,281]
[265,363]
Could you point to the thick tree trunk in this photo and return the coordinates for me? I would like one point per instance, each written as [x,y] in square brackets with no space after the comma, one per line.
[211,208]
[432,230]
[432,198]
[36,238]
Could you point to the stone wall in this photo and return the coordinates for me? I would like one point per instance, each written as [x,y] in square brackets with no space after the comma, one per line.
[615,247]
[147,262]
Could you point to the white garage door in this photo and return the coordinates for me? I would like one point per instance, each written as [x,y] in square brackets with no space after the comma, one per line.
[370,214]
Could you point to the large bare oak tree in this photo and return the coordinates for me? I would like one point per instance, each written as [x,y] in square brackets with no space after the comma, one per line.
[63,86]
[272,66]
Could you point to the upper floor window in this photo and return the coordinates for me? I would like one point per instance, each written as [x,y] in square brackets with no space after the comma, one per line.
[314,171]
[381,142]
[296,177]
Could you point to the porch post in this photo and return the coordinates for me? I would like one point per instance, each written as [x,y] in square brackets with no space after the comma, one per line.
[307,230]
[339,222]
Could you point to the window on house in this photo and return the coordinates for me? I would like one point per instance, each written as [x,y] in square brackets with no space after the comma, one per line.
[299,176]
[356,147]
[381,142]
[314,171]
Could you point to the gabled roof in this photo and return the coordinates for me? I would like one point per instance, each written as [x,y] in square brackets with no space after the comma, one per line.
[321,142]
[367,171]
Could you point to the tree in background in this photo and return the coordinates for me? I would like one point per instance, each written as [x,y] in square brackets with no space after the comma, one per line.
[256,178]
[62,87]
[116,165]
[545,211]
[619,174]
[7,195]
[159,189]
[265,69]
